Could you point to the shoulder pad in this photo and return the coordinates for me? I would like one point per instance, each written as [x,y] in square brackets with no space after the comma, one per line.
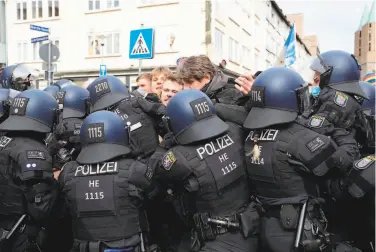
[4,141]
[341,99]
[141,173]
[364,180]
[175,164]
[34,162]
[365,162]
[313,150]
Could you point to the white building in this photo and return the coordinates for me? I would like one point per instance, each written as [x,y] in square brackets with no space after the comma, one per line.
[248,34]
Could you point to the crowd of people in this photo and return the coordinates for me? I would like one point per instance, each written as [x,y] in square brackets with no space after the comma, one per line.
[190,161]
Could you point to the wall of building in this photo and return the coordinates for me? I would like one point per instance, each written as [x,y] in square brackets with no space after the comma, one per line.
[249,35]
[3,52]
[365,47]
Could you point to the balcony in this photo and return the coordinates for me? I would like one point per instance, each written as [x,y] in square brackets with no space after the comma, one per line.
[3,54]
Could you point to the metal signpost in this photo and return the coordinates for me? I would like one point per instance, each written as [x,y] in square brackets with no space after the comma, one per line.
[42,53]
[141,45]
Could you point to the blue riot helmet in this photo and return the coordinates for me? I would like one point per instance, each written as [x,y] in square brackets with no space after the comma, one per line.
[32,110]
[342,72]
[368,106]
[192,117]
[52,90]
[19,77]
[6,97]
[103,138]
[106,91]
[74,100]
[64,83]
[278,96]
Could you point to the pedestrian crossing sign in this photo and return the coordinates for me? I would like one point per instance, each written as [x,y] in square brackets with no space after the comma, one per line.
[141,44]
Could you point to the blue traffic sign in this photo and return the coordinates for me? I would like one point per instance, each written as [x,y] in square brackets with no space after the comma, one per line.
[102,70]
[141,44]
[39,39]
[39,28]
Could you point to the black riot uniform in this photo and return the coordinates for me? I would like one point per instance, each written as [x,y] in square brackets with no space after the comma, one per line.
[285,161]
[104,188]
[28,190]
[64,143]
[337,107]
[205,168]
[109,93]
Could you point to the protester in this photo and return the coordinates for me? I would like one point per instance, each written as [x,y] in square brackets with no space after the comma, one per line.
[144,82]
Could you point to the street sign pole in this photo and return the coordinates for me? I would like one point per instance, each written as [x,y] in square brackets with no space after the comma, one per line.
[49,63]
[139,61]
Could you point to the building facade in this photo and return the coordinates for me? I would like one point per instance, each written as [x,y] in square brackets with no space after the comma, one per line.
[365,41]
[3,51]
[249,35]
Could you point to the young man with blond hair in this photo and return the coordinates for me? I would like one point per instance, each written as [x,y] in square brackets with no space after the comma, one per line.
[170,88]
[159,76]
[144,82]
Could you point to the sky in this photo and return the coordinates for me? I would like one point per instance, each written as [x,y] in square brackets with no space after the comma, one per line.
[333,21]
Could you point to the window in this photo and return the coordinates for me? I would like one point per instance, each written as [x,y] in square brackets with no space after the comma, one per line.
[360,51]
[369,47]
[53,8]
[98,5]
[369,36]
[22,10]
[370,25]
[245,57]
[233,50]
[104,44]
[36,9]
[360,34]
[22,49]
[218,37]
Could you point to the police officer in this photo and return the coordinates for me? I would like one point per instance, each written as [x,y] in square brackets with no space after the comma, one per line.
[207,172]
[19,77]
[6,96]
[64,83]
[365,131]
[74,101]
[337,106]
[105,187]
[284,161]
[357,188]
[57,86]
[109,93]
[27,184]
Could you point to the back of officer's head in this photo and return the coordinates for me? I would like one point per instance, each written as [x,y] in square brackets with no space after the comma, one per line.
[103,137]
[52,90]
[368,106]
[278,95]
[32,110]
[340,71]
[74,100]
[64,83]
[193,118]
[106,91]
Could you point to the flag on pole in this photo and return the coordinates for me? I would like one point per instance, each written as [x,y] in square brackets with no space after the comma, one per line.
[287,56]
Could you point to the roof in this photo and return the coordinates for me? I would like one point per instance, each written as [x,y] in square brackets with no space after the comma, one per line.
[365,17]
[284,18]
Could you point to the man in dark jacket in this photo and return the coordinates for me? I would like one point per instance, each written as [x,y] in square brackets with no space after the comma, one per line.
[199,73]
